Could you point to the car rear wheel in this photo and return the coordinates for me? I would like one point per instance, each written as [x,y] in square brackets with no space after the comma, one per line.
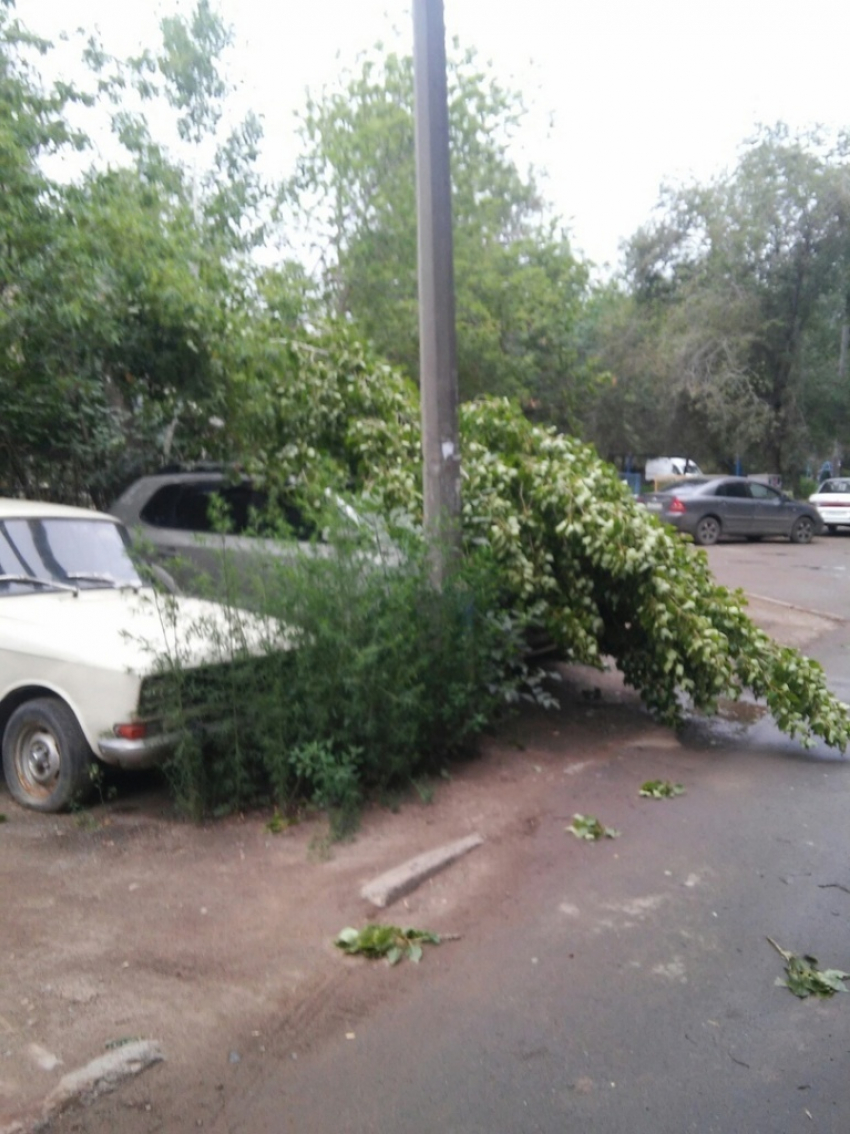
[802,530]
[46,759]
[707,531]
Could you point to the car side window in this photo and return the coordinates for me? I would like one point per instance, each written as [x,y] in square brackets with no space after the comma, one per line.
[182,507]
[734,490]
[241,507]
[159,510]
[764,493]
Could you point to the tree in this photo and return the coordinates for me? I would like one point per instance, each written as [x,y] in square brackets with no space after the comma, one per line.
[736,281]
[518,285]
[127,292]
[574,550]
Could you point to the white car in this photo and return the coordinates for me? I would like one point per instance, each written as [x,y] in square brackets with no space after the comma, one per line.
[83,643]
[832,501]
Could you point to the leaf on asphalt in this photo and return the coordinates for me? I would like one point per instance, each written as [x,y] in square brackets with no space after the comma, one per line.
[2,818]
[660,789]
[804,978]
[589,827]
[388,941]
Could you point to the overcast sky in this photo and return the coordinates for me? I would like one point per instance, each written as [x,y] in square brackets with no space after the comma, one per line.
[624,94]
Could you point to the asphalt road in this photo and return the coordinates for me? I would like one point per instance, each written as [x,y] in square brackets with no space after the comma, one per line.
[627,987]
[815,577]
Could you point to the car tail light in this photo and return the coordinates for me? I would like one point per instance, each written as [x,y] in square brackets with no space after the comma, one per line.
[676,506]
[135,730]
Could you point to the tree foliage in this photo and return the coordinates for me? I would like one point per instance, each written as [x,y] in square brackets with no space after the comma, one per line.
[127,292]
[575,551]
[735,308]
[519,287]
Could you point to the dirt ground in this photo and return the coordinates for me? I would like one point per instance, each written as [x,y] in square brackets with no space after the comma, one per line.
[122,921]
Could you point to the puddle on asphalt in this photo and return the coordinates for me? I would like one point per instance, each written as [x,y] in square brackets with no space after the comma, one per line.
[727,726]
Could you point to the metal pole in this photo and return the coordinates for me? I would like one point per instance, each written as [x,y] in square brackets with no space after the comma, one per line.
[437,344]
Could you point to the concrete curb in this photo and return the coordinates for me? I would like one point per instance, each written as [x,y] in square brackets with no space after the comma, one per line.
[99,1077]
[829,616]
[389,887]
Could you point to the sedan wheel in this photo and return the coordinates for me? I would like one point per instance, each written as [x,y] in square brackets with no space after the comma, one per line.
[802,530]
[46,759]
[707,531]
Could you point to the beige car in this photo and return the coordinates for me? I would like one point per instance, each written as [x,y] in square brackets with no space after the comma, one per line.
[84,642]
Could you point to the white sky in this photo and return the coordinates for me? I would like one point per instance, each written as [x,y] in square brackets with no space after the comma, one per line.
[625,95]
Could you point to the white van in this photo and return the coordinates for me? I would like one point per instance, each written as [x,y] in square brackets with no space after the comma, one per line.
[660,467]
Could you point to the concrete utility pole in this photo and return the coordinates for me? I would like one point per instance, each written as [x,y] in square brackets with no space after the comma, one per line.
[437,344]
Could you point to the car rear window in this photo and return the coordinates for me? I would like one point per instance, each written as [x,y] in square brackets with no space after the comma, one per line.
[684,487]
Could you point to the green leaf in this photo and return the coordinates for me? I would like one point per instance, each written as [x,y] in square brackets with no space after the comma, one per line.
[660,789]
[804,978]
[388,941]
[589,827]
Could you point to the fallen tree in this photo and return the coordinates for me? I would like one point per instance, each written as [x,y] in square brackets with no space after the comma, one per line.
[575,550]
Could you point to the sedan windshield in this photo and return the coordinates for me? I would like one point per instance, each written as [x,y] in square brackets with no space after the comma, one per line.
[67,554]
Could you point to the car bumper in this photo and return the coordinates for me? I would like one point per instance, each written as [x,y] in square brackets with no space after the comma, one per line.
[143,753]
[833,516]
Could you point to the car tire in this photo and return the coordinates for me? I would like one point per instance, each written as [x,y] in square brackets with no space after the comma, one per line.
[802,530]
[707,531]
[46,759]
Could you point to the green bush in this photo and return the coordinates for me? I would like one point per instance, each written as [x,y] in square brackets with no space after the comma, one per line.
[388,679]
[806,485]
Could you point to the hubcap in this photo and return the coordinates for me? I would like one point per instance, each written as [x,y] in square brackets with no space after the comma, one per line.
[39,759]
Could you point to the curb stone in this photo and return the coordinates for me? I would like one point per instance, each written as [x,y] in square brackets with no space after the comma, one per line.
[394,884]
[99,1077]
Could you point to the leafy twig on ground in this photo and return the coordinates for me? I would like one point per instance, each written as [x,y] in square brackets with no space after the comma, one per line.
[279,823]
[389,941]
[660,789]
[805,978]
[589,827]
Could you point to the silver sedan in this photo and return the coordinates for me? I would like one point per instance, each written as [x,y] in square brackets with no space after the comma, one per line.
[708,508]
